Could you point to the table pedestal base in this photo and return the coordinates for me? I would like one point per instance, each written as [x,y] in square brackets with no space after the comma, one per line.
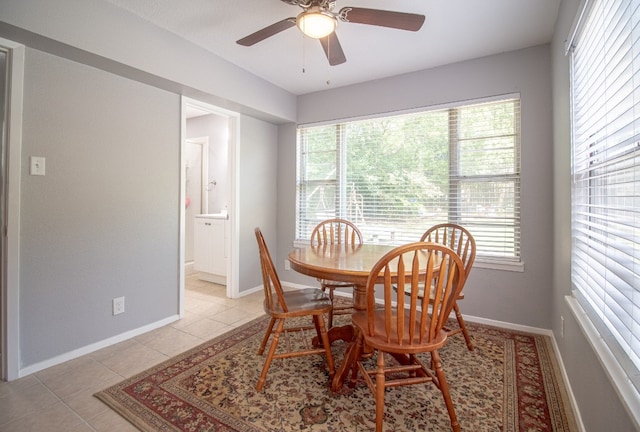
[343,333]
[348,363]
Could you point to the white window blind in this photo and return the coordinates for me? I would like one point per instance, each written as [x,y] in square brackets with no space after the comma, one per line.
[396,176]
[606,175]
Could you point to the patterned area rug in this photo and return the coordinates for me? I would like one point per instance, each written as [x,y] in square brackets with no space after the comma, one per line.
[510,382]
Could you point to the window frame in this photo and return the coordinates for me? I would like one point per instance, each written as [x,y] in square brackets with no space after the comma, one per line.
[456,180]
[586,184]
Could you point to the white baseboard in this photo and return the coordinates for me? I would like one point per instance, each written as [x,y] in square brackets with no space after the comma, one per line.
[213,278]
[88,349]
[188,268]
[567,383]
[508,325]
[299,286]
[249,291]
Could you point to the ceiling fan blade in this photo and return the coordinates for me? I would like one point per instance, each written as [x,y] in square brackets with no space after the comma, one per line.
[333,50]
[266,32]
[383,18]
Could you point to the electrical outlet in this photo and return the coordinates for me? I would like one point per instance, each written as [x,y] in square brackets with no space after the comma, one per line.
[287,265]
[561,326]
[118,305]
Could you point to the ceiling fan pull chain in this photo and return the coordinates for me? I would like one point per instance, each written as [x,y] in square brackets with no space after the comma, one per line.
[304,53]
[328,66]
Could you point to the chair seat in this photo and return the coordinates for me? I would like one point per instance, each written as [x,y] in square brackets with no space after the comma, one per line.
[335,284]
[301,301]
[379,339]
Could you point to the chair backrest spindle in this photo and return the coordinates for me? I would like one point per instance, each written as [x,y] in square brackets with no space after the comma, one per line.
[336,231]
[412,268]
[270,279]
[457,238]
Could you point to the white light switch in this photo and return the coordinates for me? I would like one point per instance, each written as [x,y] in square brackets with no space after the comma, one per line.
[37,166]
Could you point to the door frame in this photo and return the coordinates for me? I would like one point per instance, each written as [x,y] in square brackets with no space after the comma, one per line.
[203,143]
[233,123]
[10,280]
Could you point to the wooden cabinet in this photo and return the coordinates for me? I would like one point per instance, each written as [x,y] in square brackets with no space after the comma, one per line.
[210,248]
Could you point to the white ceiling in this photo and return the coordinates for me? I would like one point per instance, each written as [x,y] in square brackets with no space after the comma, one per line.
[454,30]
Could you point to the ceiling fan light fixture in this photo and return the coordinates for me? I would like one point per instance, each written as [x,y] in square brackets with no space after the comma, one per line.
[316,23]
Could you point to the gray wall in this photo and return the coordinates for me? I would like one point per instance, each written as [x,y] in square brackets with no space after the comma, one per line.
[84,30]
[600,405]
[514,297]
[257,195]
[103,222]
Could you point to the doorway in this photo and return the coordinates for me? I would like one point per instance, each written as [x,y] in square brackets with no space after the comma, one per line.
[11,83]
[216,190]
[3,160]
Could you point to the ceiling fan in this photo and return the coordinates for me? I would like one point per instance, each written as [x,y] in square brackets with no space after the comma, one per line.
[319,21]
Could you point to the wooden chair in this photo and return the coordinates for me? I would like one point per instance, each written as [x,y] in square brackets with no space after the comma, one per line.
[330,232]
[281,305]
[404,333]
[462,242]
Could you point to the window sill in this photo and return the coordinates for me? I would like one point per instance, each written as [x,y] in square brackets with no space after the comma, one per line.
[498,265]
[623,386]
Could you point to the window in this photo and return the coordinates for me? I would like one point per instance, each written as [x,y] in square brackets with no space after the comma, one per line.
[605,82]
[396,176]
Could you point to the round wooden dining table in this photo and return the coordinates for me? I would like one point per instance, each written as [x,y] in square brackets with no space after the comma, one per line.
[341,263]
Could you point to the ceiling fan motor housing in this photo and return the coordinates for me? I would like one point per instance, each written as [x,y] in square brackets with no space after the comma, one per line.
[306,4]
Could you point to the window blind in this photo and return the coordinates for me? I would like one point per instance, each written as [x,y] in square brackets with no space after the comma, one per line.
[605,83]
[395,176]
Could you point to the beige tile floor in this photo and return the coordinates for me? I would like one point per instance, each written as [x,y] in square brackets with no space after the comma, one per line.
[61,398]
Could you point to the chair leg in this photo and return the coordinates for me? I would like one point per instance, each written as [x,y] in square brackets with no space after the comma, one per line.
[356,356]
[316,324]
[324,336]
[266,336]
[272,350]
[331,311]
[380,392]
[465,333]
[444,388]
